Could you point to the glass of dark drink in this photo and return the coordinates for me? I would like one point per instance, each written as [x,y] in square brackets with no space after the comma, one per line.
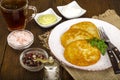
[15,12]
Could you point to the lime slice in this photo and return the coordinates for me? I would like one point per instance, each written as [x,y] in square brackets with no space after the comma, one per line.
[47,19]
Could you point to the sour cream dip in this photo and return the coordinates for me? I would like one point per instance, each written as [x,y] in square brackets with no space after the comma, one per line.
[71,11]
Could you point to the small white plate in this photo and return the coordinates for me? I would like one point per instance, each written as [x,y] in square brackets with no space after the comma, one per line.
[48,11]
[71,10]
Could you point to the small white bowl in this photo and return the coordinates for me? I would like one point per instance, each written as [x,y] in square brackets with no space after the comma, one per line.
[48,11]
[71,10]
[20,39]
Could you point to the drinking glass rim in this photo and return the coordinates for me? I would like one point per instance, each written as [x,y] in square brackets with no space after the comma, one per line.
[13,9]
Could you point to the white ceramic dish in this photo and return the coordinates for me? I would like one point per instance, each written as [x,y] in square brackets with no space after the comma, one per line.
[58,50]
[71,10]
[48,11]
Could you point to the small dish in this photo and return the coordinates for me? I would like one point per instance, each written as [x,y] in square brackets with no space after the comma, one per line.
[28,59]
[48,11]
[20,39]
[71,10]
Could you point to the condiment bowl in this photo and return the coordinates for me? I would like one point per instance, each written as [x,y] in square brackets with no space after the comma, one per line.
[20,39]
[48,11]
[28,59]
[71,10]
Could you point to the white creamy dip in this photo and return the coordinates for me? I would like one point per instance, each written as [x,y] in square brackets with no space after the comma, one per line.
[20,39]
[71,11]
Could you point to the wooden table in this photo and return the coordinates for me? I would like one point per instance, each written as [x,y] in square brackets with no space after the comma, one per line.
[10,68]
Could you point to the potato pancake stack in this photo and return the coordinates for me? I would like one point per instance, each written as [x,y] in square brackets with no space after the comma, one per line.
[78,50]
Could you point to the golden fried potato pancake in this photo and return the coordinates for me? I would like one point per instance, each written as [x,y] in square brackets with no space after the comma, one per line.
[73,35]
[81,53]
[87,26]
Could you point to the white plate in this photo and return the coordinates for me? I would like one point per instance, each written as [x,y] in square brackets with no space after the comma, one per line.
[58,50]
[48,11]
[71,10]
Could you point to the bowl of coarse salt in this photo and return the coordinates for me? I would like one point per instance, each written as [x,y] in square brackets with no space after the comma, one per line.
[20,39]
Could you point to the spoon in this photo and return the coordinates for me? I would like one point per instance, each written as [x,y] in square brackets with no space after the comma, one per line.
[49,60]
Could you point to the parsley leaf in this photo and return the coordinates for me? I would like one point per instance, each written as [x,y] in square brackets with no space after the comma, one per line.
[99,43]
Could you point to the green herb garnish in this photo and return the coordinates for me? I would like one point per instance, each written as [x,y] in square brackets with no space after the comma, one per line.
[99,43]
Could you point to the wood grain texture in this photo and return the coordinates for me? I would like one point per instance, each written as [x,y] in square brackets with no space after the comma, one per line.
[10,68]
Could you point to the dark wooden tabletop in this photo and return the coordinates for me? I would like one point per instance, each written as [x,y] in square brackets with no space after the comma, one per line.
[10,68]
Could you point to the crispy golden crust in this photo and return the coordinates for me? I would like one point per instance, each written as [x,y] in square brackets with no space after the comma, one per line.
[81,53]
[87,26]
[73,35]
[77,50]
